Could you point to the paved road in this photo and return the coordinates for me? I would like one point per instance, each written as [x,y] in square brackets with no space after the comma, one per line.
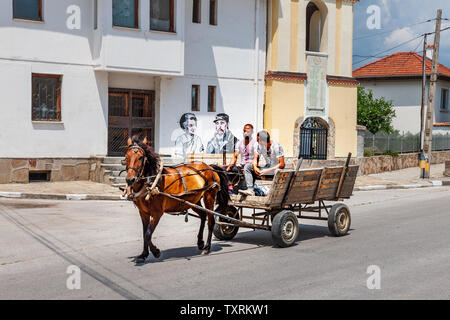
[404,232]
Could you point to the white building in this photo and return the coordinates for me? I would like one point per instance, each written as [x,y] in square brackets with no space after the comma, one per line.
[398,77]
[77,77]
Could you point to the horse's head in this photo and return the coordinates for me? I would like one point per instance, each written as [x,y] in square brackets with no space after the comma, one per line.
[135,160]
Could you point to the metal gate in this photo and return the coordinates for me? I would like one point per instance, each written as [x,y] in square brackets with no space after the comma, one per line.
[130,112]
[313,140]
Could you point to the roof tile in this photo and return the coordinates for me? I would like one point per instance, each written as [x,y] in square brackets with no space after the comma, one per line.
[398,64]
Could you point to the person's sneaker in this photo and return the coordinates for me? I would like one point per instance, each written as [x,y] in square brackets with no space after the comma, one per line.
[248,192]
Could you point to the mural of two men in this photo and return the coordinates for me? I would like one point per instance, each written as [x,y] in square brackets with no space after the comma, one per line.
[189,142]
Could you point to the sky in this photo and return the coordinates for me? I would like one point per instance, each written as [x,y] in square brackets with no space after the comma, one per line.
[399,22]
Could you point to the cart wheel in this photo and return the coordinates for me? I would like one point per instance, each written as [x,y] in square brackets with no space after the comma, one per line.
[339,220]
[284,229]
[225,232]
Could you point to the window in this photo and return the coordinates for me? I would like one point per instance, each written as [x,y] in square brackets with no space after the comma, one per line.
[46,97]
[211,99]
[444,99]
[213,12]
[195,93]
[196,11]
[27,9]
[162,15]
[95,14]
[126,13]
[313,28]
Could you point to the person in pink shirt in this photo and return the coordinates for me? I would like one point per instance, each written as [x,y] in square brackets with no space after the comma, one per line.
[245,147]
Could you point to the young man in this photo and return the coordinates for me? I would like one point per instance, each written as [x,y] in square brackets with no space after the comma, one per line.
[245,147]
[273,155]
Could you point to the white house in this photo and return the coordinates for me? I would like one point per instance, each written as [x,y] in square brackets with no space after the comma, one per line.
[398,77]
[77,77]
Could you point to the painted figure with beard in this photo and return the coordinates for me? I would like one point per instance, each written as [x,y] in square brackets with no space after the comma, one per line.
[223,140]
[189,142]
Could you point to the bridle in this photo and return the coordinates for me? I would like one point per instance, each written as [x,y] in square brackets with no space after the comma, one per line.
[139,172]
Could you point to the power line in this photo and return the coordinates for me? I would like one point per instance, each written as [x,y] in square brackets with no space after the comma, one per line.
[400,45]
[378,53]
[420,43]
[390,30]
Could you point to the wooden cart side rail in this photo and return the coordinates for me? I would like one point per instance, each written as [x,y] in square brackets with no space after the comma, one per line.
[349,182]
[344,172]
[307,186]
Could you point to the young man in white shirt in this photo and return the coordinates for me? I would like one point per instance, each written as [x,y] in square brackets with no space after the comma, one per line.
[273,154]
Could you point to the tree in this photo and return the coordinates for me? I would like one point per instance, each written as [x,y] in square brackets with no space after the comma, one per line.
[375,114]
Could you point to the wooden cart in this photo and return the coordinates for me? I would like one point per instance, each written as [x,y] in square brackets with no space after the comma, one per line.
[294,194]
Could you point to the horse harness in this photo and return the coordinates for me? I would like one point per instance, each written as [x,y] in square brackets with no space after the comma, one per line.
[183,179]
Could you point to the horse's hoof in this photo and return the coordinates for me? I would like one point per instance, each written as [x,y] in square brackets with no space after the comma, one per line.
[156,253]
[206,251]
[201,245]
[141,258]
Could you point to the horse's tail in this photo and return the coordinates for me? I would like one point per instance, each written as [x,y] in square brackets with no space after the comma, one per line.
[223,196]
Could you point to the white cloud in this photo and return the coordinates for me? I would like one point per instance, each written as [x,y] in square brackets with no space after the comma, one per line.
[399,36]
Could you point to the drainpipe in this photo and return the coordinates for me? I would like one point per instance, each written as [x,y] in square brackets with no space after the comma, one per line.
[257,59]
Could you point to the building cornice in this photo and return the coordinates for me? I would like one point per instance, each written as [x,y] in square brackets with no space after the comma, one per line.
[302,77]
[342,80]
[286,76]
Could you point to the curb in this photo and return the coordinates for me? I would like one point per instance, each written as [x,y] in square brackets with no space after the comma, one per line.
[435,183]
[108,197]
[59,196]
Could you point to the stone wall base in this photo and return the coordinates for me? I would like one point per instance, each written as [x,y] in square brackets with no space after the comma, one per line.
[59,169]
[377,164]
[90,169]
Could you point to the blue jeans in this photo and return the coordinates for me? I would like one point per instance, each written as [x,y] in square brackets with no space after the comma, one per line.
[251,176]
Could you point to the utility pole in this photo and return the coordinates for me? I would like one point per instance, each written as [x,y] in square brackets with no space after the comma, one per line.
[422,108]
[424,83]
[431,97]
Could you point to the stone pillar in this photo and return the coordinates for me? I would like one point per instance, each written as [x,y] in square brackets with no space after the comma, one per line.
[447,169]
[361,130]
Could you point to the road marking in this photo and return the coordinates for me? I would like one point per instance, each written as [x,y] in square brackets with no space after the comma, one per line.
[76,196]
[11,194]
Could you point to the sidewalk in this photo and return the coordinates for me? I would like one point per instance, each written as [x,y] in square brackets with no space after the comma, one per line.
[402,179]
[64,190]
[85,190]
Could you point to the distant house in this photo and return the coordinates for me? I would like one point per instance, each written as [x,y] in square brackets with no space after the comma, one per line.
[398,77]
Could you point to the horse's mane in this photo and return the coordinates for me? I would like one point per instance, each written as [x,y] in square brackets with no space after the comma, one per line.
[152,165]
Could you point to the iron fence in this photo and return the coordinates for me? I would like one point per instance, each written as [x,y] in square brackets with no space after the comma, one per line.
[382,143]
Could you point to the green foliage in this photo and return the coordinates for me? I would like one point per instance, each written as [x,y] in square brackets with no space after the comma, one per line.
[375,114]
[371,152]
[390,153]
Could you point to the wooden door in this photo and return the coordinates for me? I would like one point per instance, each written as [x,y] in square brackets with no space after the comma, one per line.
[130,112]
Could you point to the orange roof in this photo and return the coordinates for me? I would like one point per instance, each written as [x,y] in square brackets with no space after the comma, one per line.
[398,65]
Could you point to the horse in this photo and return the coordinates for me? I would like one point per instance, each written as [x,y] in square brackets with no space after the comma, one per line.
[190,182]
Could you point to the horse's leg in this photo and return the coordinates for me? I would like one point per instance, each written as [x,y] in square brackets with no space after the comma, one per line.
[209,199]
[154,220]
[202,215]
[145,221]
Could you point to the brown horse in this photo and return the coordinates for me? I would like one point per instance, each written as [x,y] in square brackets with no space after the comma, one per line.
[191,182]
